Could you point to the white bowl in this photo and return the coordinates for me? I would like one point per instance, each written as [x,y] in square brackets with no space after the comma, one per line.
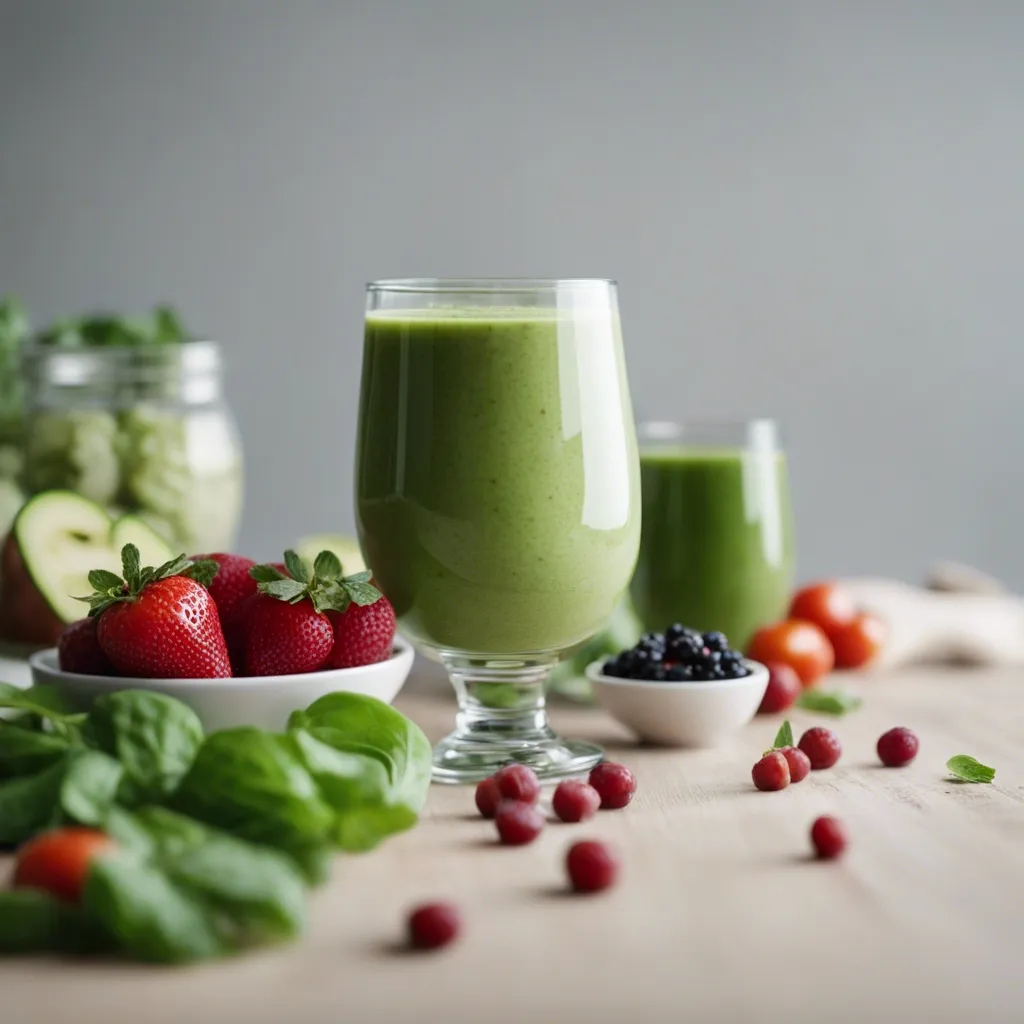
[263,701]
[689,714]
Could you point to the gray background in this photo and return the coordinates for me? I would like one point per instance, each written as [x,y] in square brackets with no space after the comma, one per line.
[814,210]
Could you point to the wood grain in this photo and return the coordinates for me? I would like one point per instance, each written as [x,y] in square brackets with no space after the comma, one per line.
[721,915]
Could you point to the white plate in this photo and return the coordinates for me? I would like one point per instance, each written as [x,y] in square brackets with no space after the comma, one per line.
[263,701]
[694,714]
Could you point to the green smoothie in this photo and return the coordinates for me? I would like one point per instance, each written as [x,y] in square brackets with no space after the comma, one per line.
[717,543]
[497,476]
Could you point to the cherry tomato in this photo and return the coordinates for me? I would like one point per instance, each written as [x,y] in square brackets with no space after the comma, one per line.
[827,605]
[858,643]
[801,645]
[783,688]
[58,862]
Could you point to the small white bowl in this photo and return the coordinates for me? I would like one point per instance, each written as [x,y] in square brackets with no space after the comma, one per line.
[688,714]
[262,701]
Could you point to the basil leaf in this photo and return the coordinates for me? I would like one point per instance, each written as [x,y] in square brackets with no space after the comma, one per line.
[784,737]
[33,921]
[26,752]
[30,804]
[89,787]
[254,785]
[834,703]
[967,769]
[155,738]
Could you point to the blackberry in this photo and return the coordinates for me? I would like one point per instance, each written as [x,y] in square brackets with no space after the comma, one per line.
[716,641]
[674,632]
[679,674]
[684,648]
[652,673]
[653,642]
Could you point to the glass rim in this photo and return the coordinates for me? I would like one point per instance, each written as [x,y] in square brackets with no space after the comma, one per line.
[656,429]
[485,285]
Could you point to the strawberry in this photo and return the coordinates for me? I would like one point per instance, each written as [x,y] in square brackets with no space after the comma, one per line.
[289,629]
[363,634]
[231,589]
[159,623]
[79,650]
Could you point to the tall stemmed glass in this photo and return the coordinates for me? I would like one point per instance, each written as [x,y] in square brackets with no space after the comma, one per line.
[498,494]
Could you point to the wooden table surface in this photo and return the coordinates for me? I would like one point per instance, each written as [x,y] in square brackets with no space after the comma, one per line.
[720,915]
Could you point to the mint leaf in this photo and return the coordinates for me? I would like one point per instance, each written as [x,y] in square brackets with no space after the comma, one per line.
[266,574]
[834,703]
[296,566]
[327,566]
[203,571]
[784,737]
[967,769]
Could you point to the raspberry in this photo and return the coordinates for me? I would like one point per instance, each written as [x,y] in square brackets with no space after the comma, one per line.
[517,782]
[615,784]
[897,747]
[575,800]
[488,796]
[592,866]
[799,763]
[518,823]
[822,746]
[434,925]
[828,837]
[771,772]
[783,688]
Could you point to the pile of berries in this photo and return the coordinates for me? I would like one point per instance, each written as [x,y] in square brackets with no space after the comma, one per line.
[679,655]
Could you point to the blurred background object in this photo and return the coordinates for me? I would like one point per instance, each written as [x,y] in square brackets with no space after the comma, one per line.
[813,211]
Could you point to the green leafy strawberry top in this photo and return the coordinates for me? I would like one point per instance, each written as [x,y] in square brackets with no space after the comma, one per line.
[110,589]
[322,583]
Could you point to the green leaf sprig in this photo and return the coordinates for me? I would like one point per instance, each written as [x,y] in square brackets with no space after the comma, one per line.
[968,769]
[110,589]
[783,738]
[322,583]
[828,702]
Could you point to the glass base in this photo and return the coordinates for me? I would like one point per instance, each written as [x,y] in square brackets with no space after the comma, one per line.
[502,720]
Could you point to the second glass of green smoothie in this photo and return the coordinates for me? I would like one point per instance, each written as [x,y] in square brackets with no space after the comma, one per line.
[717,537]
[498,494]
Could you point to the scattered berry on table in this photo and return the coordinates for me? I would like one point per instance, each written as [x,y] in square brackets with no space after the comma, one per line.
[517,782]
[575,800]
[783,688]
[434,925]
[615,784]
[799,763]
[488,796]
[518,823]
[828,837]
[592,866]
[897,747]
[771,772]
[822,746]
[78,650]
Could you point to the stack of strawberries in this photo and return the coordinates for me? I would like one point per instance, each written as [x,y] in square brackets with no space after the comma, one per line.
[221,615]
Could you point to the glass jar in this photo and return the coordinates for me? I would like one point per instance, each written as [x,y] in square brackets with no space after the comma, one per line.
[137,429]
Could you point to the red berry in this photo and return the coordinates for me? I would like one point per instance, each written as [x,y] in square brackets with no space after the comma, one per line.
[615,784]
[575,800]
[897,747]
[232,590]
[517,782]
[822,746]
[286,639]
[592,866]
[363,634]
[828,837]
[434,925]
[518,823]
[771,772]
[78,650]
[799,763]
[783,688]
[488,796]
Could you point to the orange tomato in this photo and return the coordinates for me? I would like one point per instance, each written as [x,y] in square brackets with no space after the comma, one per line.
[827,605]
[801,645]
[858,643]
[58,861]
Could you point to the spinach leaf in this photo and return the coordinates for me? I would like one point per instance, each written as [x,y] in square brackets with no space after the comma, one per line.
[25,751]
[30,804]
[181,891]
[254,785]
[45,701]
[364,725]
[33,921]
[90,786]
[155,738]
